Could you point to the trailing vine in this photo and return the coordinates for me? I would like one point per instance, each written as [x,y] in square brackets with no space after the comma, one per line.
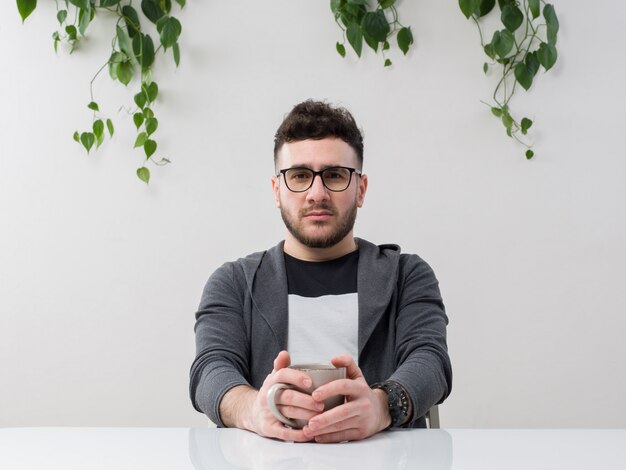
[527,41]
[133,54]
[517,51]
[359,22]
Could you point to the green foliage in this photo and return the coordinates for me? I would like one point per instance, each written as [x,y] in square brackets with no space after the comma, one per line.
[526,43]
[26,7]
[133,55]
[373,24]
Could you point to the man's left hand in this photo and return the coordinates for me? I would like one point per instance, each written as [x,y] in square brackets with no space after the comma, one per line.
[364,414]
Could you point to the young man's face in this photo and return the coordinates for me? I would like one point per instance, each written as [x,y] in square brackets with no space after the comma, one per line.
[318,217]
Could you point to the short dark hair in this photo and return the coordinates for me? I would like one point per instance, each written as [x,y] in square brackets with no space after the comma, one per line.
[318,120]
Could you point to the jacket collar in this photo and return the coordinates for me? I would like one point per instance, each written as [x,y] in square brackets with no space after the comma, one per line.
[266,279]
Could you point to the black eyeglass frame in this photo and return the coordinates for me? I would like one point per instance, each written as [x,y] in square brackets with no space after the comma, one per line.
[315,173]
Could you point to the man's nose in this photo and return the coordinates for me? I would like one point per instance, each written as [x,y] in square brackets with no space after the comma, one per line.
[317,191]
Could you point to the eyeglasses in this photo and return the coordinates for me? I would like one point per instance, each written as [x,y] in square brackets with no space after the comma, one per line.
[335,178]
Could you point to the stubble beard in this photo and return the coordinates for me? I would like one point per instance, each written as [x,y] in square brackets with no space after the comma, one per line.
[343,227]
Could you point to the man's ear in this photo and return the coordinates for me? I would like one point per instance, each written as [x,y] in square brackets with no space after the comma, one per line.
[362,189]
[276,189]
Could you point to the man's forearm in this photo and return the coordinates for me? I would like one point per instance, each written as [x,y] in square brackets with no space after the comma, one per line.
[236,407]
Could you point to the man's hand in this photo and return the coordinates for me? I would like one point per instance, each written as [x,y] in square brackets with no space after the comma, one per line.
[254,413]
[365,412]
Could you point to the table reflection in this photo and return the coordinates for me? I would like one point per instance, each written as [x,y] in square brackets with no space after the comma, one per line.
[401,449]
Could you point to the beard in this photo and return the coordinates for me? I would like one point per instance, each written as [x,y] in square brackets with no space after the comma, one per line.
[342,227]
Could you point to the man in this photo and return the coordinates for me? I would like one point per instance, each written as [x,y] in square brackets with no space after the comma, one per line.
[321,295]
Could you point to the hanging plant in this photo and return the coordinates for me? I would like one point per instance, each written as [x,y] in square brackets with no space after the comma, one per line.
[374,25]
[133,53]
[517,51]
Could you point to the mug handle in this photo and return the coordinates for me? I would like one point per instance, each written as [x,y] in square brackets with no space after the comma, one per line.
[271,403]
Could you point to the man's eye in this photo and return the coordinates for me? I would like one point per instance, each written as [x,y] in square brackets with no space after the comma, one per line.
[300,176]
[335,175]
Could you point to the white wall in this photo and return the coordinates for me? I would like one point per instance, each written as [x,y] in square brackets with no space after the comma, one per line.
[100,276]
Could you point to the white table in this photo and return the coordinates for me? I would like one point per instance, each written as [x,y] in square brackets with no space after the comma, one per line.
[222,449]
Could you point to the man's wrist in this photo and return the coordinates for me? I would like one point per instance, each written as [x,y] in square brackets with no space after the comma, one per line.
[236,407]
[399,404]
[383,402]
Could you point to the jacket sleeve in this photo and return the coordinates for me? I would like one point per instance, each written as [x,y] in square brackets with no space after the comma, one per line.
[222,349]
[424,367]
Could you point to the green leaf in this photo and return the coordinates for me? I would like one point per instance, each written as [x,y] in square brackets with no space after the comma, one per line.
[110,127]
[497,112]
[87,139]
[85,4]
[152,10]
[529,154]
[387,63]
[176,52]
[149,148]
[535,6]
[140,99]
[486,6]
[26,7]
[552,24]
[76,137]
[98,128]
[143,47]
[547,55]
[532,63]
[373,43]
[147,113]
[523,75]
[143,174]
[469,7]
[98,131]
[166,5]
[386,46]
[61,16]
[71,31]
[502,42]
[138,119]
[151,125]
[84,18]
[485,67]
[132,20]
[358,2]
[355,37]
[124,42]
[94,106]
[386,3]
[181,3]
[489,51]
[169,29]
[341,49]
[526,124]
[141,139]
[507,120]
[511,17]
[125,72]
[405,39]
[151,91]
[109,3]
[375,25]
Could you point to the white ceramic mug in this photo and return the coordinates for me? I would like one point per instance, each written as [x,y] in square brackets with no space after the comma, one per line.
[320,374]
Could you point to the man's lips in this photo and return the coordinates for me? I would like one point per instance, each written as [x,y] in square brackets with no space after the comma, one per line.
[318,215]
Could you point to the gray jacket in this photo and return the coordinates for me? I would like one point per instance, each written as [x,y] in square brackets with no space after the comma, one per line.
[241,326]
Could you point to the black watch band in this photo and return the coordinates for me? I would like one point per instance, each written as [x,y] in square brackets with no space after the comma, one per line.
[398,401]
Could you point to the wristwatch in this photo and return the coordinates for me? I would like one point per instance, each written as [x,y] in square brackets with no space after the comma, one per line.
[398,400]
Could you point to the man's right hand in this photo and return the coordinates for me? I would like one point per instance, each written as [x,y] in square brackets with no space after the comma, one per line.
[247,408]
